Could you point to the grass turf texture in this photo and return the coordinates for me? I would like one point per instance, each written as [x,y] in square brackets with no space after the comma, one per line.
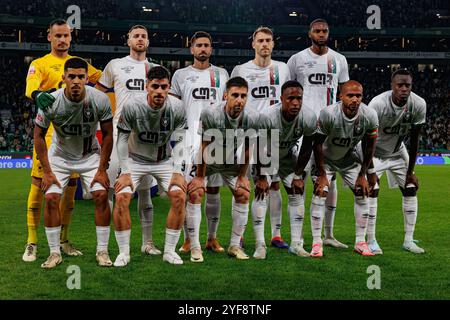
[340,274]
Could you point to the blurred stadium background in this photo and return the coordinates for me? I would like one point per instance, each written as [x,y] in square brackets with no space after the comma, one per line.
[416,36]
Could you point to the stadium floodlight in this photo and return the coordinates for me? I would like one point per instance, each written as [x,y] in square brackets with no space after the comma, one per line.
[293,14]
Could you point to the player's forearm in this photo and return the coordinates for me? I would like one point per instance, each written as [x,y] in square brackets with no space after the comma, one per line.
[318,153]
[107,146]
[32,85]
[413,148]
[201,167]
[304,155]
[368,147]
[122,151]
[243,168]
[41,148]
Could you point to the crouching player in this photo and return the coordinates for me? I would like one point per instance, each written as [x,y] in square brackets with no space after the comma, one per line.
[291,121]
[227,124]
[337,148]
[75,114]
[145,129]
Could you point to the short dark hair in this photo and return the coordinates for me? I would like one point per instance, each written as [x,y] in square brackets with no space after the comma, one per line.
[58,22]
[236,82]
[320,20]
[401,72]
[262,29]
[75,63]
[158,72]
[291,84]
[137,26]
[200,34]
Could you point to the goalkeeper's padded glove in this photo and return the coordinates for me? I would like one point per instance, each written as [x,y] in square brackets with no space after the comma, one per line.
[43,99]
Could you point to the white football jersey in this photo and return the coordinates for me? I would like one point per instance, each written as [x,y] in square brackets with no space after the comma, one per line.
[126,76]
[264,84]
[151,130]
[199,90]
[319,76]
[75,123]
[343,134]
[395,122]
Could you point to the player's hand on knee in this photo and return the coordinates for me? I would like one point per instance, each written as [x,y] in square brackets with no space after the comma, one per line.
[43,99]
[178,181]
[320,185]
[411,179]
[242,189]
[101,177]
[361,186]
[261,188]
[48,179]
[122,182]
[196,187]
[298,186]
[372,179]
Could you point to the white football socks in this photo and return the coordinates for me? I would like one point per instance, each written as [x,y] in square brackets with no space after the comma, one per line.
[275,212]
[172,237]
[361,210]
[123,241]
[371,223]
[212,211]
[296,210]
[145,208]
[409,205]
[330,209]
[102,237]
[53,235]
[317,213]
[259,209]
[193,220]
[239,215]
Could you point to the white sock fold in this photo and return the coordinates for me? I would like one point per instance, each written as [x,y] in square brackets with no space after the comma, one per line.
[275,212]
[296,210]
[239,215]
[193,221]
[212,211]
[259,209]
[330,209]
[372,221]
[172,237]
[317,213]
[145,208]
[102,237]
[409,205]
[53,235]
[361,210]
[123,241]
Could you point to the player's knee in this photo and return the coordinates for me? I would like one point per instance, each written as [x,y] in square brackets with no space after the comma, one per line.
[409,192]
[122,201]
[52,200]
[212,190]
[242,196]
[100,197]
[196,196]
[177,198]
[275,186]
[358,193]
[322,194]
[374,193]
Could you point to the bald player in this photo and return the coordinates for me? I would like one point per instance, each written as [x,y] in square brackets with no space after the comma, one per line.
[345,143]
[320,70]
[45,74]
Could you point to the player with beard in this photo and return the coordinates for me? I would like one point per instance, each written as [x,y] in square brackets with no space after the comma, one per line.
[320,70]
[200,86]
[127,76]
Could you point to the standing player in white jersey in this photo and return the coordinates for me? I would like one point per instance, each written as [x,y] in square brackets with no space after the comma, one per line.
[224,132]
[401,114]
[320,70]
[127,76]
[75,115]
[290,120]
[200,86]
[146,127]
[345,143]
[265,78]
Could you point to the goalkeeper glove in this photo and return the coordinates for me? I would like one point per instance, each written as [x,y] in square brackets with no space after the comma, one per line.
[43,99]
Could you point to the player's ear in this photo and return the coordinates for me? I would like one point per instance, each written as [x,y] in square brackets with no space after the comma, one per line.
[253,44]
[225,95]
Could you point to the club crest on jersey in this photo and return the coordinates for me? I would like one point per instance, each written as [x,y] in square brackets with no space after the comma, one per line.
[165,122]
[88,114]
[357,130]
[32,70]
[298,131]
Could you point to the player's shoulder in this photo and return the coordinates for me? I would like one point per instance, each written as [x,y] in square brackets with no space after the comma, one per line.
[381,99]
[369,113]
[115,61]
[175,103]
[96,94]
[279,64]
[336,54]
[219,69]
[418,100]
[300,55]
[182,72]
[308,113]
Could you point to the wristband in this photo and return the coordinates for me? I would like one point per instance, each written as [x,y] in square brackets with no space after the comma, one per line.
[297,177]
[371,171]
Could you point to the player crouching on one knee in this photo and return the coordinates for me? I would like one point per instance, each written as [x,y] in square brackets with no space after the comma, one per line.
[75,114]
[145,129]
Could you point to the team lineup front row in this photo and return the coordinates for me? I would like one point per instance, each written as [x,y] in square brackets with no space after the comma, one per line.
[357,141]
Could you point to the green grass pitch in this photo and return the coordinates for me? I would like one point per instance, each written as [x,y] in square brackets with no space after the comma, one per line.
[340,274]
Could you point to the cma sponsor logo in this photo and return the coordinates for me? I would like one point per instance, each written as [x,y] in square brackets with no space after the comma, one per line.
[264,92]
[344,142]
[152,136]
[204,93]
[77,129]
[321,78]
[135,84]
[398,129]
